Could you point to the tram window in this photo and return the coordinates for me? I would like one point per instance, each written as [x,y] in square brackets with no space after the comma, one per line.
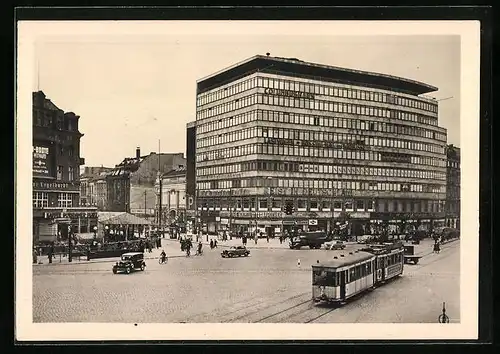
[351,275]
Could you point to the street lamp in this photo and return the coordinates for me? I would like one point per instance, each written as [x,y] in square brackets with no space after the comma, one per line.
[95,232]
[106,233]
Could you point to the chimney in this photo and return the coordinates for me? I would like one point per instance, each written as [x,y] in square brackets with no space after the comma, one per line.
[138,152]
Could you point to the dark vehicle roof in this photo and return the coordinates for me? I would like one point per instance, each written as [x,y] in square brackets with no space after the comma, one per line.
[132,254]
[349,258]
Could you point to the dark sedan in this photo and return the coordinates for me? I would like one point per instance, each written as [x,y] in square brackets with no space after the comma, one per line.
[237,251]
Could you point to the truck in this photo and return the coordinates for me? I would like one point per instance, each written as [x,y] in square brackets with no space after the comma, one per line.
[313,239]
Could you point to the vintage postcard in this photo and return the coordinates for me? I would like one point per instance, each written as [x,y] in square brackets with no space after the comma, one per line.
[247,180]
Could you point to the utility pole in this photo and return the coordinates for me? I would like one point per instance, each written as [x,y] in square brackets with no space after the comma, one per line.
[145,215]
[161,191]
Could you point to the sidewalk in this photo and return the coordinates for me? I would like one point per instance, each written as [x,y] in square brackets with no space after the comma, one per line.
[172,250]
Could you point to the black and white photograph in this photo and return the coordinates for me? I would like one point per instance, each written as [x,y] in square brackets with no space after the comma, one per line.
[235,179]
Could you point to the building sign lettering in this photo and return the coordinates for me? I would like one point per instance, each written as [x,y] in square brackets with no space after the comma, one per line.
[289,93]
[40,161]
[316,143]
[56,185]
[310,192]
[395,157]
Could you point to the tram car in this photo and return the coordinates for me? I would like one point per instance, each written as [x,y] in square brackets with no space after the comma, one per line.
[352,273]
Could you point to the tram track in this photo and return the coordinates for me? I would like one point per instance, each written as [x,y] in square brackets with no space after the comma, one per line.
[255,311]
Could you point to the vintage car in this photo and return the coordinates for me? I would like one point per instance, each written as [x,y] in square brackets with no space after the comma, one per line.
[129,262]
[334,245]
[237,251]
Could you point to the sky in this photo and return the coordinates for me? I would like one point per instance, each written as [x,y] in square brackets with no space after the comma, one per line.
[136,90]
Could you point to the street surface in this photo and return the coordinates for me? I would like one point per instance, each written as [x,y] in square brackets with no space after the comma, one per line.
[267,286]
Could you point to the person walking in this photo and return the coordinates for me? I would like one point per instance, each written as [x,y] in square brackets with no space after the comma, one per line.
[211,244]
[267,238]
[51,252]
[215,243]
[244,240]
[35,256]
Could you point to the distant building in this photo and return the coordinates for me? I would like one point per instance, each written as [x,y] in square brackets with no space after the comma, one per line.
[191,169]
[93,190]
[174,199]
[130,185]
[452,207]
[56,166]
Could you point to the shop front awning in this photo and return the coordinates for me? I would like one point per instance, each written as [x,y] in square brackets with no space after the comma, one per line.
[120,218]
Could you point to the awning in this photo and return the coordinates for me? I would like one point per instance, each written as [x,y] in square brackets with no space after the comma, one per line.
[112,218]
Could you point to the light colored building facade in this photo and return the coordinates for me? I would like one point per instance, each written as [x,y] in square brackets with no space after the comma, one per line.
[329,141]
[174,199]
[93,189]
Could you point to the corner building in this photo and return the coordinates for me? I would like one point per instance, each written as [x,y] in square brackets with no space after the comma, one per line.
[335,142]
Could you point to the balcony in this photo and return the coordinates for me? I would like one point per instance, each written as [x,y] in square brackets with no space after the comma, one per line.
[81,161]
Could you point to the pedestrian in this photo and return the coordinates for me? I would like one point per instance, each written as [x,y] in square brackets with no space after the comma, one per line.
[267,238]
[281,239]
[50,253]
[244,240]
[35,256]
[438,247]
[215,243]
[211,244]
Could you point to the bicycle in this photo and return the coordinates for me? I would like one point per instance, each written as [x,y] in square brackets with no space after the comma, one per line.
[162,260]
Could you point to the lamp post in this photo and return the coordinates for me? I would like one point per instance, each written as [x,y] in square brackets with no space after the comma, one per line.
[70,253]
[106,233]
[95,232]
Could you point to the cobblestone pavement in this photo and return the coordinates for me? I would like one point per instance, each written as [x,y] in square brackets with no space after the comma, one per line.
[268,286]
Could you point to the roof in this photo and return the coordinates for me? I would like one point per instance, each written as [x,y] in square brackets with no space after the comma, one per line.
[348,259]
[298,68]
[132,253]
[120,218]
[178,172]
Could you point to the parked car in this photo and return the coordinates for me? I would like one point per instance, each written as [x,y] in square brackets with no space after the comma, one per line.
[237,251]
[129,262]
[335,245]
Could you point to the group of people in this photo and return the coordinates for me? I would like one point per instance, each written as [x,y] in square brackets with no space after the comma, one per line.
[187,245]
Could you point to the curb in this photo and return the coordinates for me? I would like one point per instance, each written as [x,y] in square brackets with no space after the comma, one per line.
[104,260]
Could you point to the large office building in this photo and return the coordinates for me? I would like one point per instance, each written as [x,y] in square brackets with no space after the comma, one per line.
[334,143]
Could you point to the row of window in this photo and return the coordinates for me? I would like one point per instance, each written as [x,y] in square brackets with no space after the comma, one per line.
[316,89]
[45,119]
[318,168]
[312,204]
[299,134]
[41,200]
[392,259]
[61,173]
[306,119]
[320,184]
[453,164]
[285,150]
[320,105]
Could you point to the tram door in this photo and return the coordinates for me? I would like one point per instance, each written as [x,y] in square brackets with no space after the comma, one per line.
[343,275]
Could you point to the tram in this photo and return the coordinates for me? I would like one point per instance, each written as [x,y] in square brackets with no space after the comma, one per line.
[352,273]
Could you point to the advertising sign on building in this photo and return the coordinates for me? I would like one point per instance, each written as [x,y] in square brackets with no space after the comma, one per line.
[41,161]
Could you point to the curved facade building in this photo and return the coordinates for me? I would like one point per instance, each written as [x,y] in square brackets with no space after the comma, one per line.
[333,142]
